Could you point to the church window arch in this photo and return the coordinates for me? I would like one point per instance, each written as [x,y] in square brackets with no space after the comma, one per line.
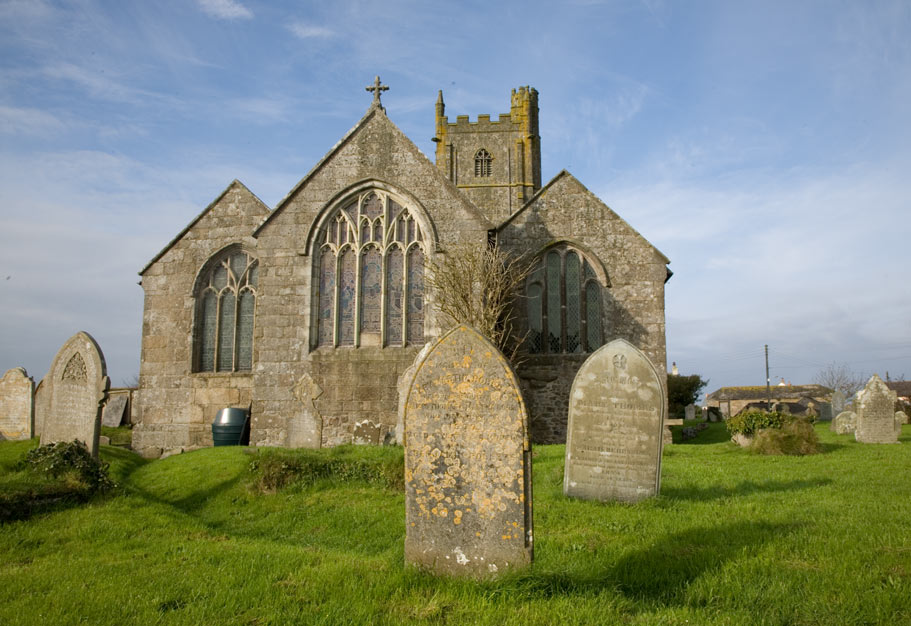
[225,312]
[563,297]
[482,161]
[371,274]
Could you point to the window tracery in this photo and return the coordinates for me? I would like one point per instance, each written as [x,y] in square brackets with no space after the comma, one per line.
[482,161]
[371,275]
[563,296]
[225,313]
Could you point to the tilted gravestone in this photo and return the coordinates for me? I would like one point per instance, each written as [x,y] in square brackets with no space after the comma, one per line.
[78,384]
[616,415]
[467,461]
[838,402]
[17,411]
[875,408]
[114,408]
[689,412]
[844,423]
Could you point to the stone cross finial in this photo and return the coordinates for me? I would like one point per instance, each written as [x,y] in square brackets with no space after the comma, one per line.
[377,89]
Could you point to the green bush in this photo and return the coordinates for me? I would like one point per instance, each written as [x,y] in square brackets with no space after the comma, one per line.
[275,469]
[72,463]
[750,422]
[795,438]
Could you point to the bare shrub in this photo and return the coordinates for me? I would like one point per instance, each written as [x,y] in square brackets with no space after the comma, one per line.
[478,286]
[795,438]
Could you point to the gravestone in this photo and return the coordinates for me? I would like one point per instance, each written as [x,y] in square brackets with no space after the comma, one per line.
[838,402]
[467,461]
[689,412]
[77,386]
[616,415]
[825,412]
[402,386]
[42,405]
[16,405]
[875,408]
[112,414]
[844,423]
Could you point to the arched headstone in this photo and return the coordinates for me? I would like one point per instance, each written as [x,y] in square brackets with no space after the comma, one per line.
[17,392]
[77,385]
[616,417]
[467,461]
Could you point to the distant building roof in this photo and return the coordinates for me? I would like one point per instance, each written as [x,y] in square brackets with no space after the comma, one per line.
[901,387]
[759,392]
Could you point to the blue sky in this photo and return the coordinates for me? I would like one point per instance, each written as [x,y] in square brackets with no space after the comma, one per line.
[764,147]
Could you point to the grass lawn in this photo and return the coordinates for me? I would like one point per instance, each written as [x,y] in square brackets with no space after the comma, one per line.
[733,538]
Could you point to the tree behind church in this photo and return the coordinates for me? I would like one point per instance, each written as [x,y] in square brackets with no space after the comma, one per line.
[683,390]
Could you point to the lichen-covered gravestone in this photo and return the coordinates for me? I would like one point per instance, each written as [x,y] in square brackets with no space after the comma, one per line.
[114,408]
[467,461]
[875,408]
[616,417]
[844,423]
[78,384]
[17,392]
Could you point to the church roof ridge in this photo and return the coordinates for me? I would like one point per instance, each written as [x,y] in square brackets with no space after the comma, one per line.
[373,110]
[561,174]
[196,219]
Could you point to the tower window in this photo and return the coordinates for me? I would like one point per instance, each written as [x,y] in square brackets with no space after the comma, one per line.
[482,161]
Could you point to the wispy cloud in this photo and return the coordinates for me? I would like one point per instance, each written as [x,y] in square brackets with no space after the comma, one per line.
[302,30]
[225,9]
[28,121]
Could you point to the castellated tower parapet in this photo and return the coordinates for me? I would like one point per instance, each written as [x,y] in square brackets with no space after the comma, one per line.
[496,163]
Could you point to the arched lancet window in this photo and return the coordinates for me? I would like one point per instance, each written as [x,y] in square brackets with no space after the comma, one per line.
[225,311]
[563,295]
[371,275]
[482,161]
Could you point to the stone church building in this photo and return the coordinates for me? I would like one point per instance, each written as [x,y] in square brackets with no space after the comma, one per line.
[307,314]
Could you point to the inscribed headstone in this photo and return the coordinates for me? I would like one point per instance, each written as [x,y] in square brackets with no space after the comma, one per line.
[844,423]
[838,402]
[305,428]
[467,461]
[112,415]
[875,413]
[403,385]
[16,405]
[616,416]
[78,384]
[689,412]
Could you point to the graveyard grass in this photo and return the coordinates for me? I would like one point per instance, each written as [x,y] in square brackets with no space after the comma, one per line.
[734,538]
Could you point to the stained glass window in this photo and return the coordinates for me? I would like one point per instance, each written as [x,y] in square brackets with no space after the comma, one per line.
[415,296]
[371,290]
[563,299]
[226,308]
[389,301]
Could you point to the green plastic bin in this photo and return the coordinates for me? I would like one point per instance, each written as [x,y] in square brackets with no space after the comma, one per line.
[231,427]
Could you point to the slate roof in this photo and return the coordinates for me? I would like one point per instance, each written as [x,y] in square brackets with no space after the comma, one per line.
[758,392]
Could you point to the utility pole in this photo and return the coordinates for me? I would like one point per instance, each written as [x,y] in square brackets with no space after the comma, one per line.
[768,384]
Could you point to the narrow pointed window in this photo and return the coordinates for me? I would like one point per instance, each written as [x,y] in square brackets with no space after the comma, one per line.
[482,161]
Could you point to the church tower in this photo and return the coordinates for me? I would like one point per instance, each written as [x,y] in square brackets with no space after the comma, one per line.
[496,163]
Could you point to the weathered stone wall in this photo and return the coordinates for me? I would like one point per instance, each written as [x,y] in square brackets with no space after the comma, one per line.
[286,349]
[16,405]
[174,407]
[632,305]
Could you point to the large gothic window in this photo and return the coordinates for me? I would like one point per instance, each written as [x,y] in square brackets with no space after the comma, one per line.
[371,275]
[564,304]
[225,308]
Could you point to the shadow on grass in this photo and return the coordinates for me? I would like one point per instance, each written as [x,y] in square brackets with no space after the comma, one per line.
[663,571]
[745,488]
